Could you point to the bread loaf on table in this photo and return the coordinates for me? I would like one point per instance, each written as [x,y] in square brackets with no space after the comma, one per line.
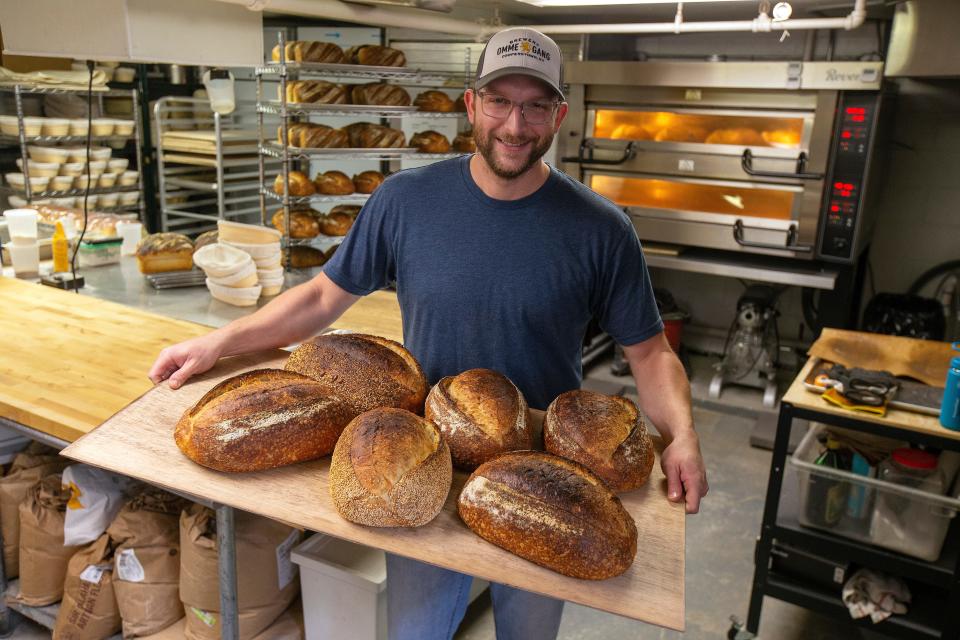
[550,511]
[430,142]
[368,371]
[339,220]
[162,252]
[333,183]
[375,55]
[303,223]
[481,414]
[436,101]
[380,93]
[604,433]
[367,181]
[390,468]
[298,185]
[262,419]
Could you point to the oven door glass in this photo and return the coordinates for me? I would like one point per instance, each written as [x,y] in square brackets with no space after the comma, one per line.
[771,202]
[739,128]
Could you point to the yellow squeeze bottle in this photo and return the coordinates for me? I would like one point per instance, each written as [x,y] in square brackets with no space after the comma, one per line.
[60,250]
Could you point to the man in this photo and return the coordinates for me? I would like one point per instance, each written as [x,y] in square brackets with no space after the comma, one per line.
[500,262]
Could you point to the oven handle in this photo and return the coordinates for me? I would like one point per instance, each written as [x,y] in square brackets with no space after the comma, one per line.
[585,155]
[746,161]
[791,244]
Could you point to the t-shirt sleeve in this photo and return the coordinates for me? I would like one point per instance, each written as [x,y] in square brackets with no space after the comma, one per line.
[626,307]
[365,261]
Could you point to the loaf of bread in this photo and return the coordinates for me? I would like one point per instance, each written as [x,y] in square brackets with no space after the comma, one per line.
[317,92]
[338,220]
[460,104]
[288,52]
[375,55]
[318,136]
[551,511]
[481,414]
[367,181]
[312,51]
[368,371]
[434,101]
[390,468]
[333,183]
[430,142]
[464,142]
[162,252]
[303,257]
[303,223]
[298,185]
[365,135]
[380,93]
[262,419]
[604,433]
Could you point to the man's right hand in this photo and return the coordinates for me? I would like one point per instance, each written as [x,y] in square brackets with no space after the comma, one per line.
[181,361]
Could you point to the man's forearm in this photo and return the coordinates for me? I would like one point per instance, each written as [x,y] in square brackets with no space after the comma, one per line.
[664,393]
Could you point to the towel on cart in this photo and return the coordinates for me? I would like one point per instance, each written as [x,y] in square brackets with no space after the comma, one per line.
[874,594]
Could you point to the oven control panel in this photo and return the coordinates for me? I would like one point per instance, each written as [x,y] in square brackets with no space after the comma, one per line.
[843,191]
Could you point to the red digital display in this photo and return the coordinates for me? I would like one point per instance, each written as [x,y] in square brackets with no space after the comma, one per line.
[835,208]
[856,110]
[846,134]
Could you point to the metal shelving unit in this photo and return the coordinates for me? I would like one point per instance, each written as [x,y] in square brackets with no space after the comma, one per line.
[270,149]
[201,182]
[18,91]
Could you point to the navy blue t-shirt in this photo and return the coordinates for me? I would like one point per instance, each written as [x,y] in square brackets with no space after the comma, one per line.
[508,285]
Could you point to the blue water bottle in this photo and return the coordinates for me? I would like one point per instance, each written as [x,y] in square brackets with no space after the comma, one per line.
[950,407]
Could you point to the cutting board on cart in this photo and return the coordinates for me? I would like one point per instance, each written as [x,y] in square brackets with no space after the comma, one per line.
[205,142]
[138,442]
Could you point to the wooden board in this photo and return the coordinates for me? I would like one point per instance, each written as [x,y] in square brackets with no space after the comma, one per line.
[70,361]
[211,161]
[799,396]
[138,442]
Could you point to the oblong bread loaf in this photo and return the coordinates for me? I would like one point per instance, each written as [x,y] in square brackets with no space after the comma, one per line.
[368,371]
[390,468]
[550,511]
[262,419]
[604,433]
[480,414]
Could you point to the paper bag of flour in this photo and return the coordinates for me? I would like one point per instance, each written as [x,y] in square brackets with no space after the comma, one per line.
[89,609]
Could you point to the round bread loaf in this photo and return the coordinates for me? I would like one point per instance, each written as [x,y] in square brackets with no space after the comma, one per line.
[333,183]
[606,434]
[464,142]
[434,101]
[390,468]
[551,511]
[430,142]
[303,223]
[368,371]
[480,414]
[367,181]
[338,220]
[262,419]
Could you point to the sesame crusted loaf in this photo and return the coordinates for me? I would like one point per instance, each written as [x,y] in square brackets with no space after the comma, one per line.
[481,414]
[550,511]
[390,468]
[367,371]
[262,419]
[604,433]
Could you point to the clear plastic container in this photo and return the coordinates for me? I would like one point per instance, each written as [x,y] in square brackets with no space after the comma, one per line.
[922,516]
[96,254]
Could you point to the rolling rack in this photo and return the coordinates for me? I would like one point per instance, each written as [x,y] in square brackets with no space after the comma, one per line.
[21,139]
[270,149]
[206,165]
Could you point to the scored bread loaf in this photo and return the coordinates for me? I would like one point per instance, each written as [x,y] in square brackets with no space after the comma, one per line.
[316,136]
[390,468]
[380,93]
[367,181]
[303,223]
[162,252]
[375,55]
[368,371]
[465,143]
[604,433]
[205,238]
[298,185]
[550,511]
[288,52]
[333,183]
[480,414]
[317,92]
[339,220]
[365,135]
[313,51]
[430,142]
[435,101]
[303,257]
[262,419]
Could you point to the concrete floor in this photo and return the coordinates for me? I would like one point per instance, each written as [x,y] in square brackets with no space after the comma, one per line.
[720,539]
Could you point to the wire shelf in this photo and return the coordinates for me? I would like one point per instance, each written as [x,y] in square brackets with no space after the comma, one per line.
[361,110]
[275,150]
[305,200]
[358,71]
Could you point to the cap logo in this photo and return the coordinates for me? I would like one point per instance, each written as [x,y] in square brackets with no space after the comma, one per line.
[523,47]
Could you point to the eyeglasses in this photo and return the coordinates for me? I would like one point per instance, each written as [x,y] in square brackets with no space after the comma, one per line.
[534,111]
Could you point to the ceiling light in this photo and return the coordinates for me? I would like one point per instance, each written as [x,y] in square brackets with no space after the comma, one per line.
[592,3]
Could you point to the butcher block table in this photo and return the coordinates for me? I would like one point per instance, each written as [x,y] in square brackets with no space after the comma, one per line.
[138,442]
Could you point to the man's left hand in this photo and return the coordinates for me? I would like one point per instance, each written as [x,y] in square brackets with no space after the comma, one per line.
[686,474]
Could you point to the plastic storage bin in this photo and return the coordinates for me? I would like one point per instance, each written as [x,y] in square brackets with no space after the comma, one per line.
[900,518]
[344,589]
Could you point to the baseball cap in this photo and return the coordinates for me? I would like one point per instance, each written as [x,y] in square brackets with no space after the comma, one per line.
[524,51]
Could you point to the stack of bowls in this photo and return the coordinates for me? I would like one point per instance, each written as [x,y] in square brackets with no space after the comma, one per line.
[263,246]
[231,274]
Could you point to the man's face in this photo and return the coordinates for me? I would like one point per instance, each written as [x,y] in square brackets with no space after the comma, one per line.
[511,145]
